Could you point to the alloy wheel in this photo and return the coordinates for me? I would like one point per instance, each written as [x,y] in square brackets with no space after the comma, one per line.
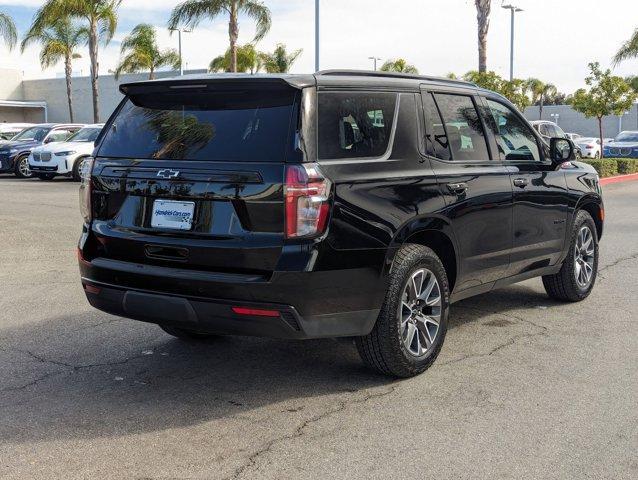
[584,252]
[23,167]
[420,312]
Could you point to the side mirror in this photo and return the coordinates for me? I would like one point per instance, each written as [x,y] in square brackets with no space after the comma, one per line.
[561,150]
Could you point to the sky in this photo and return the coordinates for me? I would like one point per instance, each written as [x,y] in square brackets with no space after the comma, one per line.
[554,39]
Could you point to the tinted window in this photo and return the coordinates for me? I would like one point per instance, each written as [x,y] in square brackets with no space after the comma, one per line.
[627,137]
[542,128]
[232,126]
[355,125]
[463,127]
[514,138]
[436,138]
[86,135]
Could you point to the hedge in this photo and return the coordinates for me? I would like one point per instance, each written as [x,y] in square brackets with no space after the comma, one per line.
[608,167]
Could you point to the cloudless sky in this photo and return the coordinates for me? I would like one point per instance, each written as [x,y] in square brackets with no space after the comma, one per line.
[555,39]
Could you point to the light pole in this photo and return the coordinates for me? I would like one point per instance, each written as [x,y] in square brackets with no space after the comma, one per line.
[181,62]
[316,35]
[555,117]
[513,10]
[374,59]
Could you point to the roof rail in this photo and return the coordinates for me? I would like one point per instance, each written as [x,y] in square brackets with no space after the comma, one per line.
[409,76]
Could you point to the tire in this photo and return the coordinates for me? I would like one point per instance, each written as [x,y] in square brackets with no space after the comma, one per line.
[568,285]
[19,169]
[46,176]
[385,348]
[187,335]
[76,168]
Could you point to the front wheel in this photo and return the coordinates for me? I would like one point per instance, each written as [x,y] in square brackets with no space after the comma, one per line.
[412,324]
[21,168]
[576,278]
[78,168]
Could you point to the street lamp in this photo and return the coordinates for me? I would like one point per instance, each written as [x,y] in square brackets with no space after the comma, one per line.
[181,62]
[316,35]
[513,10]
[555,117]
[374,59]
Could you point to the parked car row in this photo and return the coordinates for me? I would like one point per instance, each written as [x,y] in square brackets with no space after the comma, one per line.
[48,150]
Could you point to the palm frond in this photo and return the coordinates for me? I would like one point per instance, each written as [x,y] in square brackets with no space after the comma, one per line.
[260,13]
[191,12]
[8,31]
[628,50]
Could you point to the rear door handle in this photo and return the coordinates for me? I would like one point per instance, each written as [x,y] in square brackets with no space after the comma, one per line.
[521,182]
[457,188]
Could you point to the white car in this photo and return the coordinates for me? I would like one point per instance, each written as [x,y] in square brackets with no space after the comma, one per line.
[589,146]
[10,130]
[64,158]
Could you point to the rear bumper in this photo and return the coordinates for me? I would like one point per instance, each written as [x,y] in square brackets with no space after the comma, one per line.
[217,316]
[334,303]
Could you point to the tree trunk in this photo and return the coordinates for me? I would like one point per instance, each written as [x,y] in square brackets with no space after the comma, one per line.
[540,108]
[233,35]
[68,71]
[600,132]
[151,75]
[483,20]
[93,52]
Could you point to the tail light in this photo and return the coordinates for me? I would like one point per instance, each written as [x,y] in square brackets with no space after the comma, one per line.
[85,189]
[306,194]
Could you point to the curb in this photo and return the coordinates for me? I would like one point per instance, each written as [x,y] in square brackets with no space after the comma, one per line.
[619,178]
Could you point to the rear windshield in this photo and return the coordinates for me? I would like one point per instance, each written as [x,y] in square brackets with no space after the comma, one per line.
[239,126]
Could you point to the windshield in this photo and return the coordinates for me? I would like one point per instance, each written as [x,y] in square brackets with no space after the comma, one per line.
[85,135]
[225,126]
[34,133]
[627,137]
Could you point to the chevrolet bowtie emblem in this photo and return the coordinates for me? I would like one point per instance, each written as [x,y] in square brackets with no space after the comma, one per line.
[168,173]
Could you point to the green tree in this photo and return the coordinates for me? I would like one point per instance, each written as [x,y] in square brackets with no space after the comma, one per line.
[633,82]
[515,91]
[540,91]
[191,12]
[483,8]
[628,50]
[8,32]
[141,53]
[607,95]
[399,65]
[280,61]
[59,43]
[248,60]
[100,22]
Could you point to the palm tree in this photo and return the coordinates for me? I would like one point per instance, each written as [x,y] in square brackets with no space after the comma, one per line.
[540,91]
[144,53]
[8,32]
[191,12]
[483,8]
[59,42]
[280,61]
[101,21]
[399,65]
[628,50]
[248,60]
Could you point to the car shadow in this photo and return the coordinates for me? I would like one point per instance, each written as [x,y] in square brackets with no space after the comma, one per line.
[89,376]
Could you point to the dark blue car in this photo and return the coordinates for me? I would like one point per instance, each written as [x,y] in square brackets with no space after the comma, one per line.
[14,154]
[625,145]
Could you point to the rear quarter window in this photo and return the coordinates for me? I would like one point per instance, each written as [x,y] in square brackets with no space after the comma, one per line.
[239,126]
[355,124]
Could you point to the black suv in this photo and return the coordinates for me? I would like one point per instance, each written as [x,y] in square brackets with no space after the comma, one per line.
[341,204]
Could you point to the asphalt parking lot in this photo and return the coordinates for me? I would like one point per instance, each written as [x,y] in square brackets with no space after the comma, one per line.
[524,388]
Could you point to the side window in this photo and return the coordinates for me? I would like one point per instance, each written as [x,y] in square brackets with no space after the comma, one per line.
[542,128]
[355,124]
[514,138]
[58,136]
[436,142]
[558,132]
[463,127]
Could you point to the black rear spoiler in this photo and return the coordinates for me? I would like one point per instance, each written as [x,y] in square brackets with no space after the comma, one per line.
[216,82]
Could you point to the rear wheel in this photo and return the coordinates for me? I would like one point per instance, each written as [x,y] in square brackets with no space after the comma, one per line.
[412,324]
[188,335]
[576,278]
[21,168]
